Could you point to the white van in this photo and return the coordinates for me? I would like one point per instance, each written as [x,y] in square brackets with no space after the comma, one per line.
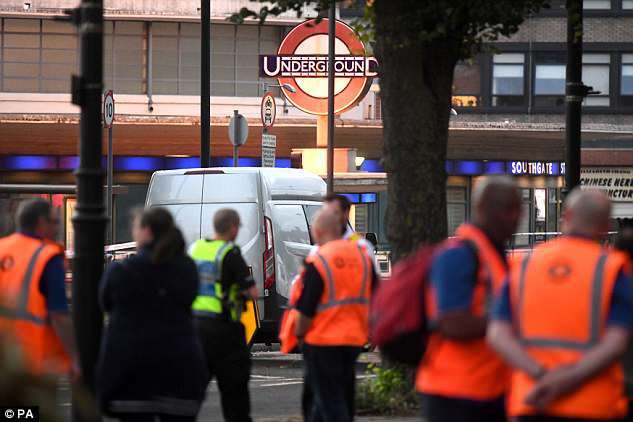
[276,207]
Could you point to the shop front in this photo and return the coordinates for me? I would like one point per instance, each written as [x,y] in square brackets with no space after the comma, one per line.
[617,182]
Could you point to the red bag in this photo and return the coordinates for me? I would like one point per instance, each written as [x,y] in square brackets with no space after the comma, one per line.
[398,317]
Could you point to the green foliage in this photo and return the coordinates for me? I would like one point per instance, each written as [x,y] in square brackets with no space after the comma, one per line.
[388,391]
[465,24]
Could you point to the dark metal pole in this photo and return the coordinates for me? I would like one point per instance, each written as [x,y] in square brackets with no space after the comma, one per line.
[330,104]
[236,135]
[89,219]
[575,93]
[110,197]
[205,83]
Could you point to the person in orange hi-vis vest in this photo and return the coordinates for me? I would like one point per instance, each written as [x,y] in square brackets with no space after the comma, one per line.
[34,314]
[332,319]
[460,377]
[563,321]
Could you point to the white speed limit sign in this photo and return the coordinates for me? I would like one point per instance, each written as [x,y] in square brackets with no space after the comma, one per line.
[108,109]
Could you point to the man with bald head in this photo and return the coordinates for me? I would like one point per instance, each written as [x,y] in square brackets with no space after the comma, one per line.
[563,321]
[460,377]
[332,320]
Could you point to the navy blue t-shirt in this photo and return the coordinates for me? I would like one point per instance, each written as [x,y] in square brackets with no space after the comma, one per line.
[453,274]
[53,283]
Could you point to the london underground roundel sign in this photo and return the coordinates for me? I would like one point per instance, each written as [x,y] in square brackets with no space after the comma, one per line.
[302,62]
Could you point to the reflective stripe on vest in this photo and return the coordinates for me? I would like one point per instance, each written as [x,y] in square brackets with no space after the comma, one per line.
[596,300]
[21,312]
[332,301]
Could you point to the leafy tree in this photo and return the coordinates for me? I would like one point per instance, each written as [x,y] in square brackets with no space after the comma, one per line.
[418,43]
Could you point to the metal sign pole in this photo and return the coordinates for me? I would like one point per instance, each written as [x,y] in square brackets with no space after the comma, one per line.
[110,196]
[330,105]
[236,133]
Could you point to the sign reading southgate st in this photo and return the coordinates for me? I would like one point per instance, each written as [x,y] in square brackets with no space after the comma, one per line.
[302,62]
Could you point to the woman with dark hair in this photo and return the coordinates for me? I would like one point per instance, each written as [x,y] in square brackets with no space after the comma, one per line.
[151,363]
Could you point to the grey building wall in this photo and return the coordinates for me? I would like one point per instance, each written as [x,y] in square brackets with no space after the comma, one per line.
[554,29]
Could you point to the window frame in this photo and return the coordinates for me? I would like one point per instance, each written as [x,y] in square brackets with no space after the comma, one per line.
[508,108]
[477,61]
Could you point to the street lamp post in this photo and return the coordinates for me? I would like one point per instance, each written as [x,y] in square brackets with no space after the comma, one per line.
[575,93]
[89,219]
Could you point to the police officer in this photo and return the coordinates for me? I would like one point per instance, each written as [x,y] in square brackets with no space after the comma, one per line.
[34,312]
[225,282]
[461,378]
[332,319]
[563,321]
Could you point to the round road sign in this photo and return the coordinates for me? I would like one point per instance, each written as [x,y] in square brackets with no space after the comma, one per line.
[108,109]
[238,130]
[268,110]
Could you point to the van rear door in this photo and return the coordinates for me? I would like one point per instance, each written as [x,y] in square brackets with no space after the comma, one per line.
[180,194]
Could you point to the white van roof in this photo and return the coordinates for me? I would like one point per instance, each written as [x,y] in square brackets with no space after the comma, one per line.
[281,183]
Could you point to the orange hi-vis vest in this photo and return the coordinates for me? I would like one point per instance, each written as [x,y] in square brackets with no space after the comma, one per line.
[560,296]
[287,336]
[467,369]
[24,318]
[342,316]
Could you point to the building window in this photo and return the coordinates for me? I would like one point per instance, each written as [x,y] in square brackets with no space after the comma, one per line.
[626,83]
[377,106]
[456,207]
[627,4]
[595,73]
[234,53]
[124,57]
[467,85]
[549,80]
[37,56]
[597,4]
[21,55]
[165,58]
[508,80]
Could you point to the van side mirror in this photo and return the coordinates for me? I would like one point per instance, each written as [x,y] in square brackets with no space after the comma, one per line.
[372,238]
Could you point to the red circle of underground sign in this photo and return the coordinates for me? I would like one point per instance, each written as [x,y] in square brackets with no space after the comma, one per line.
[346,98]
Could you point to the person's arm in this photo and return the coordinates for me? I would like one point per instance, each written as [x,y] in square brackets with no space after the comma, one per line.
[235,270]
[611,348]
[53,287]
[309,300]
[502,339]
[112,272]
[568,378]
[454,276]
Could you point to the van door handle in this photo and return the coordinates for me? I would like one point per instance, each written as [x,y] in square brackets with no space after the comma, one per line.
[296,248]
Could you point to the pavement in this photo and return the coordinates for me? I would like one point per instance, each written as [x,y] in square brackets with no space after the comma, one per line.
[276,386]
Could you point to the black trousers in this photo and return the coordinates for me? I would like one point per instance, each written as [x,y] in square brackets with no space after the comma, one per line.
[229,361]
[330,378]
[545,418]
[446,409]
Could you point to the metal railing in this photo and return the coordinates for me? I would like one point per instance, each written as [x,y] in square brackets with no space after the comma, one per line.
[522,243]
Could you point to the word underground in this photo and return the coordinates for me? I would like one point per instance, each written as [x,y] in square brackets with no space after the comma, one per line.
[316,66]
